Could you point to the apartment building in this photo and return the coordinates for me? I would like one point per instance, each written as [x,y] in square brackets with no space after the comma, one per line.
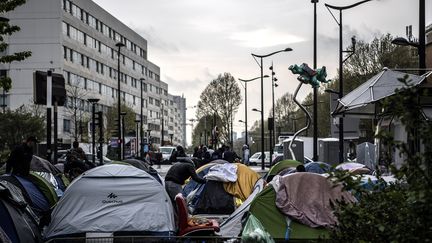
[78,39]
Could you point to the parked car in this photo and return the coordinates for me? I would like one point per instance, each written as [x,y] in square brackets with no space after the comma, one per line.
[255,159]
[167,151]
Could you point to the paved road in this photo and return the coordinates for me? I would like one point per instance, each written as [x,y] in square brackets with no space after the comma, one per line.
[162,169]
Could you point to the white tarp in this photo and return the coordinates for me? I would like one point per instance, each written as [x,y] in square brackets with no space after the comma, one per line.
[222,172]
[231,227]
[113,198]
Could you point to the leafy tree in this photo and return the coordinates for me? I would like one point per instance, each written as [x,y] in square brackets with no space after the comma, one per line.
[221,97]
[399,212]
[204,126]
[111,118]
[284,112]
[7,29]
[16,126]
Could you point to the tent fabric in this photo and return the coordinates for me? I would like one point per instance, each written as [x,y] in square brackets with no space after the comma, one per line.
[113,198]
[3,236]
[278,167]
[17,219]
[350,166]
[380,86]
[42,165]
[243,187]
[307,198]
[214,200]
[231,227]
[38,200]
[143,166]
[222,172]
[317,167]
[45,187]
[263,207]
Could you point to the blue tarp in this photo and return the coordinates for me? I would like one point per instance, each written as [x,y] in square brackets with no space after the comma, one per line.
[317,167]
[40,203]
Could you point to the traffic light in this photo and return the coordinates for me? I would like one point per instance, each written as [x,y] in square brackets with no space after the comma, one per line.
[308,75]
[99,119]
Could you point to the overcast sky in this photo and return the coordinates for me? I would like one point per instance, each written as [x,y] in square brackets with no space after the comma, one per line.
[192,41]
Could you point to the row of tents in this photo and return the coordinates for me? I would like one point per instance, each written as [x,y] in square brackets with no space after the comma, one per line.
[129,198]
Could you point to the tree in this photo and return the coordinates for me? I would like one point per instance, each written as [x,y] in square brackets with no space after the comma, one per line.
[76,95]
[111,125]
[16,126]
[204,126]
[221,97]
[284,112]
[7,30]
[399,211]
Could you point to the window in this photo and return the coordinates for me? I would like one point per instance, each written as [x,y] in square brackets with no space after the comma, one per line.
[65,28]
[66,125]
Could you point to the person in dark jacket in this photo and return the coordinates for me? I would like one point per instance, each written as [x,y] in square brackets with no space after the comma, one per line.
[20,158]
[176,177]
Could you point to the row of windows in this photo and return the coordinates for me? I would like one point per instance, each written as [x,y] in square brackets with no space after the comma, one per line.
[98,67]
[102,48]
[105,90]
[92,43]
[87,18]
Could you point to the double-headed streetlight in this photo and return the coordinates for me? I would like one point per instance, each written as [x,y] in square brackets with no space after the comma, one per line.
[272,131]
[341,125]
[120,152]
[245,88]
[260,64]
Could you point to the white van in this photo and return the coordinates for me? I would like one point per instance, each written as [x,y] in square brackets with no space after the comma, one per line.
[167,151]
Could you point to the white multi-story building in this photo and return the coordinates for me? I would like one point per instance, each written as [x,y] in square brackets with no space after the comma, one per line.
[78,39]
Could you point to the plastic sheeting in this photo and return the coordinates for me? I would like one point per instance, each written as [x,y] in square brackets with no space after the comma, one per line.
[222,172]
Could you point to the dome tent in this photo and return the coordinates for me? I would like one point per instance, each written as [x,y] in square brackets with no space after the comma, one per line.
[113,198]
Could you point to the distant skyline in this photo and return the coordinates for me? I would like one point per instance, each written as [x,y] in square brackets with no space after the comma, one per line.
[192,41]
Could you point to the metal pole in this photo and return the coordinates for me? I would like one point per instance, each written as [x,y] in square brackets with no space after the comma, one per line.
[55,132]
[246,127]
[123,136]
[341,125]
[315,90]
[49,104]
[421,47]
[162,131]
[141,124]
[101,140]
[120,151]
[93,133]
[273,142]
[262,116]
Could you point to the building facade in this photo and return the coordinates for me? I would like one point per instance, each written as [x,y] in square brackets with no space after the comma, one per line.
[78,39]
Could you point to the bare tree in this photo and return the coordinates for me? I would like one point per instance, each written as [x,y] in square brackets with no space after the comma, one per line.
[76,94]
[221,97]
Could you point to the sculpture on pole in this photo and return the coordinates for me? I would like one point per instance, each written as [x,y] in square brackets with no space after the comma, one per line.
[310,76]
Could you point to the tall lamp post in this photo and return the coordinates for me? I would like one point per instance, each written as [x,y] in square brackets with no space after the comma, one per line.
[341,125]
[245,88]
[122,114]
[141,130]
[272,131]
[120,152]
[260,64]
[93,102]
[315,89]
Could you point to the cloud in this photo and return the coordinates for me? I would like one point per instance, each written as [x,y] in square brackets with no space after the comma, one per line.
[155,40]
[264,37]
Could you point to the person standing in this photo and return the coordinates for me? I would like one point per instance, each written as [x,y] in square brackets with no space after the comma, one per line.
[176,177]
[246,153]
[20,158]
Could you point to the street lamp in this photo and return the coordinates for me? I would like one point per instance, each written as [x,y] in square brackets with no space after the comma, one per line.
[341,127]
[119,45]
[141,133]
[315,89]
[245,87]
[93,102]
[272,131]
[260,64]
[122,114]
[137,122]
